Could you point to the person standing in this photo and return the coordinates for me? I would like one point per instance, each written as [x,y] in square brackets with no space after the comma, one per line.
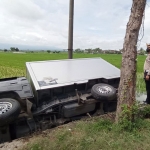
[147,73]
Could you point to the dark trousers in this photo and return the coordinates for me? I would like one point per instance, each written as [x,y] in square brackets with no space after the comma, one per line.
[147,82]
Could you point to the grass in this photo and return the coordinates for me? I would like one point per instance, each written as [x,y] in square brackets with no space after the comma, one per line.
[96,134]
[17,61]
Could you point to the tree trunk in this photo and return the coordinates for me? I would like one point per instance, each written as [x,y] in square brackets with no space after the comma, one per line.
[127,86]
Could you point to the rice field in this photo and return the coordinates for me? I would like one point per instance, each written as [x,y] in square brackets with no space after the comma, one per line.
[12,64]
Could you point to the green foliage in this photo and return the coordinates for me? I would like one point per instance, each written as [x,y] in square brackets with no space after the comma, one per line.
[5,50]
[131,117]
[56,52]
[140,84]
[128,118]
[141,51]
[102,124]
[48,51]
[36,146]
[13,49]
[78,50]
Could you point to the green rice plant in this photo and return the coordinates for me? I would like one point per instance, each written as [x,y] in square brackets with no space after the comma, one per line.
[140,83]
[6,72]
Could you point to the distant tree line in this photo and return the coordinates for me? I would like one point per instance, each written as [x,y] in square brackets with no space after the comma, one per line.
[141,51]
[12,49]
[49,51]
[97,51]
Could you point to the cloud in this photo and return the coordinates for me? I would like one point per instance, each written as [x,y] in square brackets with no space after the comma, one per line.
[24,10]
[44,23]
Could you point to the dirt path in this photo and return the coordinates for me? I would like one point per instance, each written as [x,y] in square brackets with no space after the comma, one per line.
[14,145]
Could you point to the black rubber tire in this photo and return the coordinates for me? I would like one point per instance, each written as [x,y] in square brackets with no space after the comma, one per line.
[11,114]
[103,96]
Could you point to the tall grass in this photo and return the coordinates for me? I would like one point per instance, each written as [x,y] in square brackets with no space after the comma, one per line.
[12,64]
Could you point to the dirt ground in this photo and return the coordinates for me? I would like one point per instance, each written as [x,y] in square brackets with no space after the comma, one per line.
[14,145]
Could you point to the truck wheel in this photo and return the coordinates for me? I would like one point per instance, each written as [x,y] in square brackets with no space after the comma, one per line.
[9,110]
[103,91]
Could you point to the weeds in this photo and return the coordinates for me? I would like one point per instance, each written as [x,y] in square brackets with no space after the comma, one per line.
[93,135]
[132,117]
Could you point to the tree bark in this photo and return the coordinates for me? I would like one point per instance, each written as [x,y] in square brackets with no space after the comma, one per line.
[127,85]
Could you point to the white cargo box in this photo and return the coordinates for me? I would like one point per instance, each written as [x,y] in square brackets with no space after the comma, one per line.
[58,73]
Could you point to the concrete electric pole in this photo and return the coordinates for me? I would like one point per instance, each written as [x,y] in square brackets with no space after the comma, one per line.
[70,34]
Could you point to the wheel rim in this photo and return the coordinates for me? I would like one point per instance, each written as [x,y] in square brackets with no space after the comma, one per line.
[4,107]
[104,89]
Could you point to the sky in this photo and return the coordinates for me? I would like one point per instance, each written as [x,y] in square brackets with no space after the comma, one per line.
[43,24]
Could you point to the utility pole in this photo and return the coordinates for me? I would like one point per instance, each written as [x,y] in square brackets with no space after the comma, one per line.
[70,34]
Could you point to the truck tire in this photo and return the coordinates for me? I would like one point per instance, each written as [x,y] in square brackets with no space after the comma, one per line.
[9,110]
[103,92]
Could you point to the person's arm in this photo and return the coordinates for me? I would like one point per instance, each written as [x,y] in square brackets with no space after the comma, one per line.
[147,68]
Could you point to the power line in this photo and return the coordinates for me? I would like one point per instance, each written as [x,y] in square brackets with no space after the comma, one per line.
[147,4]
[141,31]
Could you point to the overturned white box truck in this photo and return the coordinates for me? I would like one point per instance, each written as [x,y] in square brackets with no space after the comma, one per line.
[56,92]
